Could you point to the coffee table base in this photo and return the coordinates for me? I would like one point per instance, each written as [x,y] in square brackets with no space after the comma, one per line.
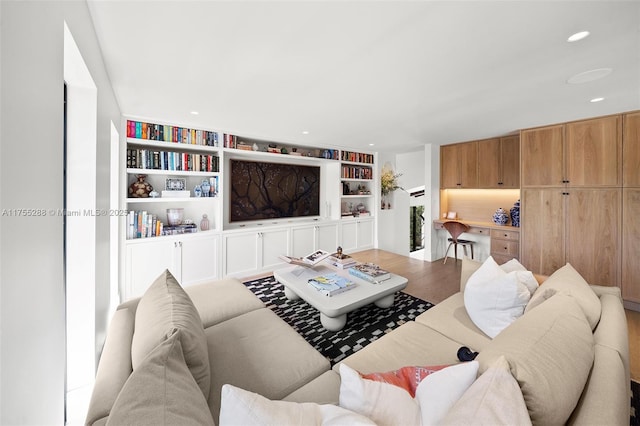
[385,302]
[333,324]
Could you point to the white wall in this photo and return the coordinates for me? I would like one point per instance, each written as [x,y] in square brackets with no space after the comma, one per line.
[32,310]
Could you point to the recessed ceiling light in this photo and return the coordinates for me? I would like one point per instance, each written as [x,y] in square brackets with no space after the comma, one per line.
[578,36]
[371,144]
[594,100]
[591,75]
[305,132]
[194,113]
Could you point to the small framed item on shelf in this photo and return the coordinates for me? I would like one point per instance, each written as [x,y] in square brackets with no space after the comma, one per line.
[175,184]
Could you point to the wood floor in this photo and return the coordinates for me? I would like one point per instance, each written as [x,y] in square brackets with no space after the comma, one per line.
[434,282]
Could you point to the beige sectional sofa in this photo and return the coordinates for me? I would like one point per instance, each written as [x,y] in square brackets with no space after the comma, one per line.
[568,370]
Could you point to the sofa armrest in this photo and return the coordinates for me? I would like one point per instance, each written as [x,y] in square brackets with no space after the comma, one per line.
[115,366]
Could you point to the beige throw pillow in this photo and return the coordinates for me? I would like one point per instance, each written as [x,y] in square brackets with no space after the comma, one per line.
[165,307]
[550,352]
[161,391]
[567,280]
[493,399]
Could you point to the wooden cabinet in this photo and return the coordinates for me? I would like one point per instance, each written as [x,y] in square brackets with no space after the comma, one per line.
[631,245]
[459,165]
[542,213]
[579,226]
[499,163]
[505,245]
[631,150]
[594,152]
[542,156]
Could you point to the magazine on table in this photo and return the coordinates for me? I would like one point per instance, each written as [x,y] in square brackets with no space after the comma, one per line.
[369,272]
[308,260]
[331,284]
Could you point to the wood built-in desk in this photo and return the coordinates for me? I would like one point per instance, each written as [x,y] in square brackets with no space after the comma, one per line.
[504,243]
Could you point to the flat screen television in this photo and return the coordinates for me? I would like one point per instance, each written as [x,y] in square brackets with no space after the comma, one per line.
[261,190]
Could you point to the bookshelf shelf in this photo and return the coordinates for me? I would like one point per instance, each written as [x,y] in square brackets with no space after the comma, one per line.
[170,172]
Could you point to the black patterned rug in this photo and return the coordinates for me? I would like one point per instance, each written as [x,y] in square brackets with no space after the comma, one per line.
[364,325]
[635,404]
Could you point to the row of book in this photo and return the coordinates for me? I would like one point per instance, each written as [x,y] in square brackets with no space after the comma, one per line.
[141,224]
[168,160]
[166,133]
[356,157]
[356,172]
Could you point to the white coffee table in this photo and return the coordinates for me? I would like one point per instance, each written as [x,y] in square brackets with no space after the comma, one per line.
[334,309]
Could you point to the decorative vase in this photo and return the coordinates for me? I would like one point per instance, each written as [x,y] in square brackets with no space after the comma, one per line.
[500,217]
[515,214]
[197,191]
[140,188]
[204,223]
[206,188]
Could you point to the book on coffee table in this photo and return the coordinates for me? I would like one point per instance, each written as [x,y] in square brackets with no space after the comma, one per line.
[343,261]
[331,284]
[308,260]
[369,272]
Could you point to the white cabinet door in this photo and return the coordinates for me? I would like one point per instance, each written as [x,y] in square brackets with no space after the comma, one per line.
[326,237]
[199,259]
[145,261]
[349,236]
[303,240]
[240,253]
[273,244]
[365,233]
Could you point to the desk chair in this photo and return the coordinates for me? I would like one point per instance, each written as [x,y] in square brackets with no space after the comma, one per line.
[456,228]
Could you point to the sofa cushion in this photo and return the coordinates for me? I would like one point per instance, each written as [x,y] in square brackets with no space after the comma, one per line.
[410,344]
[220,300]
[388,404]
[469,266]
[161,391]
[164,307]
[324,389]
[550,353]
[259,352]
[450,318]
[568,281]
[115,365]
[494,298]
[493,399]
[244,408]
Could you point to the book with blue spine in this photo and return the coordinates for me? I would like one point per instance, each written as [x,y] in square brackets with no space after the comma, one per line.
[331,284]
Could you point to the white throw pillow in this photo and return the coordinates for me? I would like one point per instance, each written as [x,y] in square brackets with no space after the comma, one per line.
[526,277]
[494,298]
[388,404]
[241,407]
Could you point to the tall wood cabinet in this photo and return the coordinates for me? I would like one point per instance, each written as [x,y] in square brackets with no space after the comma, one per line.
[459,165]
[571,208]
[631,208]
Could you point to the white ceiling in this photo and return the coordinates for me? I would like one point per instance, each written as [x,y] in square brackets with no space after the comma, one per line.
[398,74]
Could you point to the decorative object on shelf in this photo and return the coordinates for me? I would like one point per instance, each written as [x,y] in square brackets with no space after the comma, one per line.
[154,194]
[175,216]
[345,188]
[255,146]
[175,184]
[500,217]
[515,214]
[205,186]
[140,188]
[197,191]
[204,223]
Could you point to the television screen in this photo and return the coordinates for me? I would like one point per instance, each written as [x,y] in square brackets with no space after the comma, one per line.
[263,190]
